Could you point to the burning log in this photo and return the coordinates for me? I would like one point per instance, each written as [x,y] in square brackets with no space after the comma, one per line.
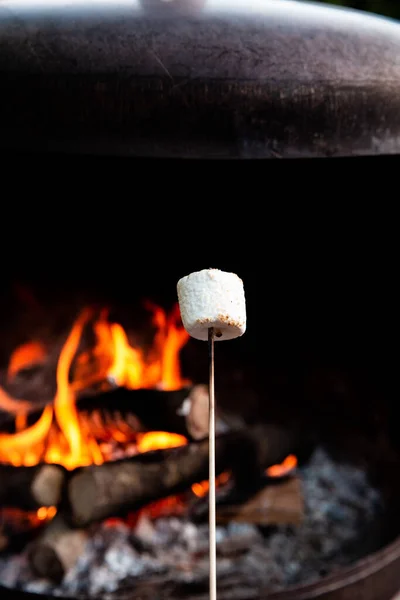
[91,494]
[98,492]
[57,549]
[29,488]
[279,502]
[183,411]
[94,493]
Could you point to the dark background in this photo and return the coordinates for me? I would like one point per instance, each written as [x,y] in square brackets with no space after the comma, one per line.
[390,8]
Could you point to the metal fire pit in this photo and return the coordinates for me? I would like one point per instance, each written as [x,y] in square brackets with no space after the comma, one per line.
[209,79]
[198,78]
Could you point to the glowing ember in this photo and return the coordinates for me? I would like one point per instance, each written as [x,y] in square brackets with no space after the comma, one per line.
[20,520]
[46,513]
[284,468]
[201,489]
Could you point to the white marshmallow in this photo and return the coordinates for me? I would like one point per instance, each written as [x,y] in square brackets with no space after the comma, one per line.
[212,298]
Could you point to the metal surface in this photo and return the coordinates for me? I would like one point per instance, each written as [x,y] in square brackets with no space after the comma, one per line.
[215,78]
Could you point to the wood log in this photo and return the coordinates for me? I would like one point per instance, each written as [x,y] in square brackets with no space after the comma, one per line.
[276,504]
[113,489]
[57,549]
[93,493]
[29,488]
[183,411]
[97,492]
[130,483]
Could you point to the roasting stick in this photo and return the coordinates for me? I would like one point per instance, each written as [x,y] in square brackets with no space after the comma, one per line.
[213,307]
[212,499]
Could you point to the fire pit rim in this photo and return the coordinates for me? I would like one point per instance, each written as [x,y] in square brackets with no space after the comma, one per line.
[363,568]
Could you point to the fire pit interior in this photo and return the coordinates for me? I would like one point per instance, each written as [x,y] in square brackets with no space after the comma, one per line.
[104,449]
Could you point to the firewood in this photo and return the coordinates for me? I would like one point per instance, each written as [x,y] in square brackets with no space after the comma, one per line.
[29,488]
[97,492]
[89,494]
[280,503]
[94,493]
[182,411]
[57,549]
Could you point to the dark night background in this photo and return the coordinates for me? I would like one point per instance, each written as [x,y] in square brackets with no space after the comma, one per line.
[390,8]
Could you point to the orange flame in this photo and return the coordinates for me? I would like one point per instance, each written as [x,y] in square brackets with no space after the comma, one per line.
[45,513]
[202,488]
[156,440]
[284,468]
[61,435]
[27,355]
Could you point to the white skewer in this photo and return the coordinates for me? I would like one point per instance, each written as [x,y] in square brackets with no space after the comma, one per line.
[213,308]
[212,501]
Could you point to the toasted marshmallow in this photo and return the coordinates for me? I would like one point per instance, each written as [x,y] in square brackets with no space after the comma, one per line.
[212,298]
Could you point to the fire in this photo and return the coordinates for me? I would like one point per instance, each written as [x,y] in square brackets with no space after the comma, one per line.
[60,435]
[27,355]
[284,468]
[156,440]
[116,360]
[45,513]
[202,488]
[22,521]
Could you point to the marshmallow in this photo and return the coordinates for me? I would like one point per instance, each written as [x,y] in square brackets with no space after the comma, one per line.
[212,298]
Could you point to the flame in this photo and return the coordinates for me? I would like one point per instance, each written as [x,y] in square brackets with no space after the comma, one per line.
[202,488]
[64,401]
[115,359]
[45,513]
[61,435]
[156,440]
[22,521]
[27,355]
[15,407]
[284,468]
[169,340]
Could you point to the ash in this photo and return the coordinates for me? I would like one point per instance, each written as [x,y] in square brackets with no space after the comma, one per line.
[168,557]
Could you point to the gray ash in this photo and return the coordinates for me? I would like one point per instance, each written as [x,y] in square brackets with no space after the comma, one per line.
[168,557]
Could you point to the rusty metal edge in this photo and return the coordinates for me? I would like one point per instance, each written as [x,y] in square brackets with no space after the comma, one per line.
[361,571]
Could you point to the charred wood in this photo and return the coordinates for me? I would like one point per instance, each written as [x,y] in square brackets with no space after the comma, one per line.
[29,488]
[57,549]
[97,492]
[183,411]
